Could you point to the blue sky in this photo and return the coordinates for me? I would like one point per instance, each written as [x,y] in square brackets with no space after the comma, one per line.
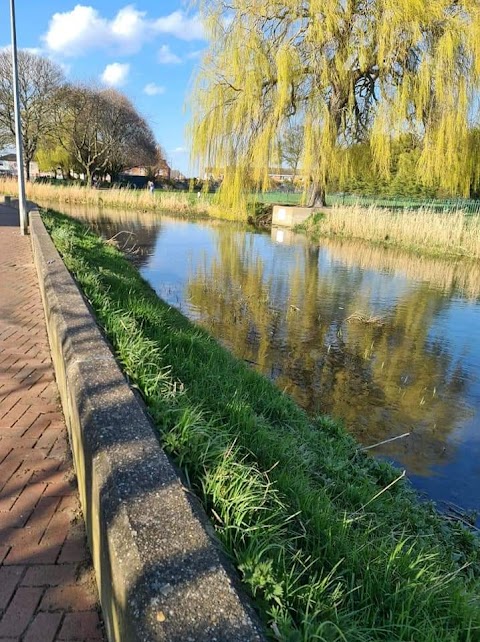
[147,49]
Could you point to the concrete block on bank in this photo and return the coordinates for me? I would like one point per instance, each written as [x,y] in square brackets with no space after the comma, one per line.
[161,574]
[289,216]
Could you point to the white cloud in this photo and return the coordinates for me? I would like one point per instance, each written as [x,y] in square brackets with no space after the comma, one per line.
[166,57]
[153,90]
[193,55]
[129,23]
[179,150]
[179,25]
[115,74]
[74,32]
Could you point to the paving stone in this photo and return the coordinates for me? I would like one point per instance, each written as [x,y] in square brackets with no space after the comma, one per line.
[20,611]
[9,579]
[44,627]
[81,626]
[70,598]
[50,575]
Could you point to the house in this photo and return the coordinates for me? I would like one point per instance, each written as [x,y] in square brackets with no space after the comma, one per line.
[276,174]
[176,175]
[5,169]
[281,174]
[162,170]
[8,166]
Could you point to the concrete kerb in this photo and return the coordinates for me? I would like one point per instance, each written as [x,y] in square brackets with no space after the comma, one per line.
[160,573]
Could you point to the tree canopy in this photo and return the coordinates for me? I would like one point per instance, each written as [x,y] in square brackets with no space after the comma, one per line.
[349,71]
[102,131]
[39,81]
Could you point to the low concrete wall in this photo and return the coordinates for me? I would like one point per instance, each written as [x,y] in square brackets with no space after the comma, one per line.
[289,216]
[160,572]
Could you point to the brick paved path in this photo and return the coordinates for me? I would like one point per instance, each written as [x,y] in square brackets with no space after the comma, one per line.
[47,590]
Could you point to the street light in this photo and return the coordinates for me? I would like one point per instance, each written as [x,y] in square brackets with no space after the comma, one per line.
[22,204]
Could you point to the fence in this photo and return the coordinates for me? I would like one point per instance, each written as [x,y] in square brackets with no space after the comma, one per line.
[469,206]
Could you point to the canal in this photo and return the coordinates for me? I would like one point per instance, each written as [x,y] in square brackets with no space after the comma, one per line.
[389,342]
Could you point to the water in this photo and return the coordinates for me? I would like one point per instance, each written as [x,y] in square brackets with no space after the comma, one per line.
[388,342]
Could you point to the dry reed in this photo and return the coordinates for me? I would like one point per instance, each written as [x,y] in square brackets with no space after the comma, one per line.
[422,230]
[367,319]
[143,200]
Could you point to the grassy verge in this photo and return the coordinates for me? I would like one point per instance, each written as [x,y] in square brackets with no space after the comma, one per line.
[330,545]
[423,231]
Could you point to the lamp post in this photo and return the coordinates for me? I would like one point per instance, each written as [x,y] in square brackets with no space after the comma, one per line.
[22,204]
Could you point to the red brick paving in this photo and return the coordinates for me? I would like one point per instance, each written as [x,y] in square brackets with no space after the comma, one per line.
[47,591]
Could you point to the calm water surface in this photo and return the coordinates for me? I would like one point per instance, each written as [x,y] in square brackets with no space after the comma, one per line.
[302,315]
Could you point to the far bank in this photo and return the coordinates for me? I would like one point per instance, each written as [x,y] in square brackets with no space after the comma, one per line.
[423,231]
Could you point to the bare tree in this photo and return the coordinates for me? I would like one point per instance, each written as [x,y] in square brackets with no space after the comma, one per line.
[78,120]
[40,80]
[102,131]
[159,165]
[130,140]
[291,147]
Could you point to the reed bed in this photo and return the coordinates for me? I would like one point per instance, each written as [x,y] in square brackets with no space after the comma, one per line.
[127,199]
[452,233]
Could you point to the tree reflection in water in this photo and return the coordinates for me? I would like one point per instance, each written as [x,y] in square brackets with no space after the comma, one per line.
[382,380]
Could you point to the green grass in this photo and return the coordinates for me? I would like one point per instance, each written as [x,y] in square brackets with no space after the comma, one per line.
[469,206]
[328,552]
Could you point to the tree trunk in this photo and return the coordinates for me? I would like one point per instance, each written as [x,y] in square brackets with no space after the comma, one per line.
[316,196]
[27,169]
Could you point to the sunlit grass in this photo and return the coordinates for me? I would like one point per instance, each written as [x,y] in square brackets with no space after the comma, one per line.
[300,509]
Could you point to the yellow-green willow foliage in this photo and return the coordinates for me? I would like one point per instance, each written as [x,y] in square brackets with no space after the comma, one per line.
[349,70]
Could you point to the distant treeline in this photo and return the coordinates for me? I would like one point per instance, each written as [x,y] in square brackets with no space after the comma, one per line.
[71,128]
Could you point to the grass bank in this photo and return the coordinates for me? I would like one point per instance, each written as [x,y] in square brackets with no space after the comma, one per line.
[332,545]
[422,230]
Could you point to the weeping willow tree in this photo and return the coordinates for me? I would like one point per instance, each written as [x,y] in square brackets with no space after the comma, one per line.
[348,71]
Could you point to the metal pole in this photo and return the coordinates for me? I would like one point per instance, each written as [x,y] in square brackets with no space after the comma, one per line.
[22,203]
